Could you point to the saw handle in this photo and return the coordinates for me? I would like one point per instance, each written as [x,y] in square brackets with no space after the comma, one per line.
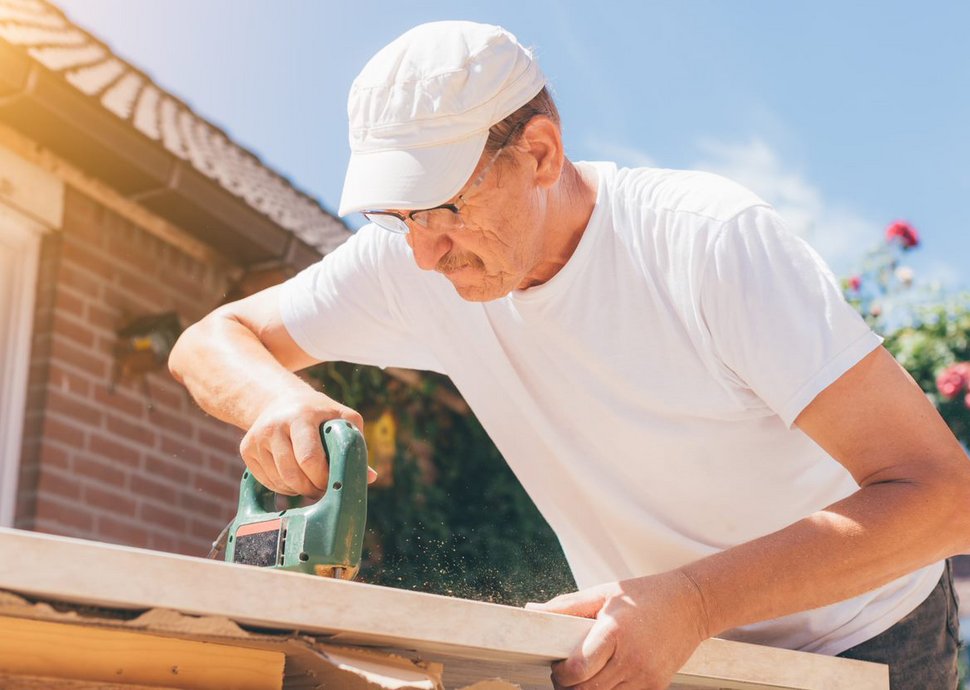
[255,499]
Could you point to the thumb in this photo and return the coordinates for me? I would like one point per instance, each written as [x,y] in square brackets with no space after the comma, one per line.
[585,603]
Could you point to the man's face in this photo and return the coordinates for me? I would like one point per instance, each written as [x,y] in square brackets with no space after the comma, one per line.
[497,245]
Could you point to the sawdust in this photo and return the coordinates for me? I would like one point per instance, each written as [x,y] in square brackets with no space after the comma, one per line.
[493,684]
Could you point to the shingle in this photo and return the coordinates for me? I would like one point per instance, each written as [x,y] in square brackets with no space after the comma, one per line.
[21,34]
[93,69]
[61,58]
[30,17]
[120,98]
[27,5]
[146,112]
[167,112]
[91,80]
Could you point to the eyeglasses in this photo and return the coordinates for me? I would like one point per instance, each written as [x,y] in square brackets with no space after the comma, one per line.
[443,218]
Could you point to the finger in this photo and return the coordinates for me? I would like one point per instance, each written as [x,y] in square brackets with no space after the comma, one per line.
[589,658]
[371,475]
[254,462]
[309,453]
[352,416]
[586,603]
[286,465]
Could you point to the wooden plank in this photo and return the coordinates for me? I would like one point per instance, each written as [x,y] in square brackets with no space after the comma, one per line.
[75,570]
[107,655]
[18,682]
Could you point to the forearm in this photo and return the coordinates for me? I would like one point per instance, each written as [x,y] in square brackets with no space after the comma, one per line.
[877,534]
[229,371]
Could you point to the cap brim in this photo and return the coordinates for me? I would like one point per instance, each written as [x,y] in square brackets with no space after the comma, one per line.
[415,178]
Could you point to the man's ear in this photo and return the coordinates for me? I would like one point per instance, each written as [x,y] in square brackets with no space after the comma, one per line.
[542,141]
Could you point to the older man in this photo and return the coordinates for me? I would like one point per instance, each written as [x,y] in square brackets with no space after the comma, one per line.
[721,444]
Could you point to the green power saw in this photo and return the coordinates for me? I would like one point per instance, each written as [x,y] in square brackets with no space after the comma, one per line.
[325,538]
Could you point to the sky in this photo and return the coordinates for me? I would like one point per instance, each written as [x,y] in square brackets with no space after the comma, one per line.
[845,116]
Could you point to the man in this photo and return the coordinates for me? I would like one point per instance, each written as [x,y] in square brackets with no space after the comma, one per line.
[721,444]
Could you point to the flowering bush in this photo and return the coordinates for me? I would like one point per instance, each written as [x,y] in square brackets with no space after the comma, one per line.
[902,233]
[954,380]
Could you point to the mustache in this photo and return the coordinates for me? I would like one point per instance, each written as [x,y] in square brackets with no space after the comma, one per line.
[452,262]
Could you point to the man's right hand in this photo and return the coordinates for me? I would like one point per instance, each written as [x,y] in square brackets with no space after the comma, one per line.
[283,449]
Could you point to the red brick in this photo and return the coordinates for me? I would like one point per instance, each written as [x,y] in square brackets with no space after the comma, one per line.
[104,319]
[53,482]
[64,513]
[71,354]
[66,302]
[200,504]
[54,456]
[168,394]
[113,501]
[77,253]
[73,330]
[176,424]
[207,530]
[180,450]
[222,489]
[122,531]
[222,465]
[99,470]
[146,486]
[138,433]
[122,400]
[164,542]
[221,441]
[146,290]
[168,468]
[74,408]
[105,447]
[68,381]
[169,519]
[63,431]
[85,282]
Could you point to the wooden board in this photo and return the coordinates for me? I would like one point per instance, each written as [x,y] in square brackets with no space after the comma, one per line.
[84,653]
[86,572]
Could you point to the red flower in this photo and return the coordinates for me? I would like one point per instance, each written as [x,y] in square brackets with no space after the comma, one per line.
[904,233]
[855,282]
[953,380]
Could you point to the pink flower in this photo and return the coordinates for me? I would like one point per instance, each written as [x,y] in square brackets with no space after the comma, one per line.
[966,401]
[904,233]
[953,380]
[855,282]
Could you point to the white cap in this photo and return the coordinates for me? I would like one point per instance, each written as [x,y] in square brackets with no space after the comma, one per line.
[420,112]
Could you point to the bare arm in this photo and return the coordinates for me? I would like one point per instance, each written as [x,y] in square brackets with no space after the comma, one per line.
[238,364]
[912,508]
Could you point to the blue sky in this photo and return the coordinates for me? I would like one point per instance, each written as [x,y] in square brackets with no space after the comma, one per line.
[844,115]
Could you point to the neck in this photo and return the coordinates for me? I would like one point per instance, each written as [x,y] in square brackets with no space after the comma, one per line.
[570,204]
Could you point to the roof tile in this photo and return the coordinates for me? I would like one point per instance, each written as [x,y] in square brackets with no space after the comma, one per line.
[22,34]
[120,98]
[94,78]
[52,40]
[146,112]
[61,58]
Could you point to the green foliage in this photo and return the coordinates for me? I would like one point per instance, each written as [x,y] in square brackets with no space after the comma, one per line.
[456,521]
[938,338]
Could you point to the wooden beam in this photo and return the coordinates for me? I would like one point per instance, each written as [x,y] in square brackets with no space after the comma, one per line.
[87,653]
[75,570]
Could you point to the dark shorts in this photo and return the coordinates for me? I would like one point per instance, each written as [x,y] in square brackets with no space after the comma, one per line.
[922,648]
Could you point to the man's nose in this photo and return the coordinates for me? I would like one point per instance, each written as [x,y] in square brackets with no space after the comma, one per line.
[428,246]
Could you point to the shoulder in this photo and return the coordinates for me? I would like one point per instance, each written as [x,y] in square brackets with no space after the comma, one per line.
[695,193]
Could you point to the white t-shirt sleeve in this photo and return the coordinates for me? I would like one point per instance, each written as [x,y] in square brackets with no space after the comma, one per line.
[777,318]
[341,308]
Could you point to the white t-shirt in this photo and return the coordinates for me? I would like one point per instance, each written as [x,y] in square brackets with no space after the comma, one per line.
[645,395]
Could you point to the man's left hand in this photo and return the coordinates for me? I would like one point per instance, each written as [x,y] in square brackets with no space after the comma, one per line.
[646,628]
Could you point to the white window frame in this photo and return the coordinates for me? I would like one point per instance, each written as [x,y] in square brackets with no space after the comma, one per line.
[20,239]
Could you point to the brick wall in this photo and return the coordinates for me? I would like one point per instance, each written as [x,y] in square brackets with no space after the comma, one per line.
[98,463]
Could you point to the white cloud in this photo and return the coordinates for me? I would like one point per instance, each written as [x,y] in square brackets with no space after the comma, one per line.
[622,154]
[840,234]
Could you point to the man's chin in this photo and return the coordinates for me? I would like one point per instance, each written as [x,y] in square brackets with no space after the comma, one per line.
[476,293]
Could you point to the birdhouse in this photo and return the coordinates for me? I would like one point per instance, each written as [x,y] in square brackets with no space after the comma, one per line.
[381,438]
